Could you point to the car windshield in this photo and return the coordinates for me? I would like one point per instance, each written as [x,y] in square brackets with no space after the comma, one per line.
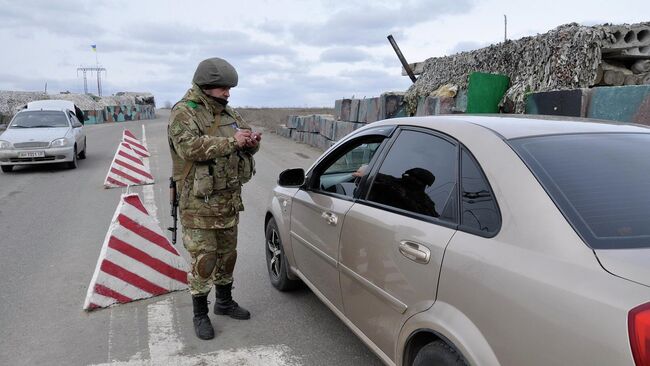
[601,183]
[39,119]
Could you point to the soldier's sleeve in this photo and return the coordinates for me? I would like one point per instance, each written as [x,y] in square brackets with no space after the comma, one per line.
[243,124]
[190,144]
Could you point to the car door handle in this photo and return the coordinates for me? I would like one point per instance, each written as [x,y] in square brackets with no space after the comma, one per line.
[330,218]
[414,251]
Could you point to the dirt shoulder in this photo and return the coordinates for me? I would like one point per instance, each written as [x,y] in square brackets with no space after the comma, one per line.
[271,118]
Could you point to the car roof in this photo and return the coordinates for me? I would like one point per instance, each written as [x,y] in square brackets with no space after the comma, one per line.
[516,126]
[51,105]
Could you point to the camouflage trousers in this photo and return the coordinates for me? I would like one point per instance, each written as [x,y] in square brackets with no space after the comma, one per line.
[214,253]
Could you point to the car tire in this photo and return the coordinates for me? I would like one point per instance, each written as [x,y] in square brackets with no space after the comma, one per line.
[82,155]
[7,168]
[438,353]
[73,164]
[276,262]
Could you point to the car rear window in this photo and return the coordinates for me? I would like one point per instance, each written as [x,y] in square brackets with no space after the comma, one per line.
[601,183]
[39,119]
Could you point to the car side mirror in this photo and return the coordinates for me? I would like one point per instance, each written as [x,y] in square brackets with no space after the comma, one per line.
[292,178]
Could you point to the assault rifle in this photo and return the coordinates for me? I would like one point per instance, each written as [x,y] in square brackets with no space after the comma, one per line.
[173,202]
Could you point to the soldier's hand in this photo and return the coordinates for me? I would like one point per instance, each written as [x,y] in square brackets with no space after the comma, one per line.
[243,137]
[255,139]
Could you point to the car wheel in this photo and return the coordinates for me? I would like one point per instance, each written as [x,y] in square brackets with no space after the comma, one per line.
[276,262]
[438,353]
[82,155]
[7,168]
[73,163]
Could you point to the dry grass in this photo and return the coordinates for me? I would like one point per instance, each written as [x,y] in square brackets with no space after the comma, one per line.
[271,118]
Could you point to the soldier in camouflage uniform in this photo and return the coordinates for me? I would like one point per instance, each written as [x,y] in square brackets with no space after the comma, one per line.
[212,152]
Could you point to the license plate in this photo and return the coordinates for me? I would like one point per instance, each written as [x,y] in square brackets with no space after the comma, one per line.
[31,154]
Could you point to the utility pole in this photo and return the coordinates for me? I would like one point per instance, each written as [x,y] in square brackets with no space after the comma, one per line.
[505,28]
[96,69]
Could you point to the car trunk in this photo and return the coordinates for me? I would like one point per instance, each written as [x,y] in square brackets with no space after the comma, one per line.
[631,264]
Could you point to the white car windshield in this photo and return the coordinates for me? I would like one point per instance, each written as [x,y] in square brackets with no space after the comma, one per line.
[39,119]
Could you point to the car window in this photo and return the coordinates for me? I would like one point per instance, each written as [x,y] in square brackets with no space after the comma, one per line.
[419,175]
[74,120]
[479,211]
[342,173]
[599,181]
[39,119]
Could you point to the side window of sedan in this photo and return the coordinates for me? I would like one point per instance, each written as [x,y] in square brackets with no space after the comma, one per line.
[343,174]
[419,175]
[480,213]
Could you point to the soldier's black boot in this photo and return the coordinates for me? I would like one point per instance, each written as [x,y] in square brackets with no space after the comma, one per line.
[202,326]
[225,305]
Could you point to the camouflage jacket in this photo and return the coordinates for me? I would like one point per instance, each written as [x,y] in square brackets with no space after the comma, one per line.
[210,195]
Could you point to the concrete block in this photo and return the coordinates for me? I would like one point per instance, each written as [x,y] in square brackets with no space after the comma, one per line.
[389,104]
[621,103]
[369,110]
[363,111]
[337,108]
[445,105]
[430,106]
[401,112]
[343,128]
[300,125]
[571,103]
[426,106]
[345,109]
[461,101]
[354,110]
[327,127]
[284,131]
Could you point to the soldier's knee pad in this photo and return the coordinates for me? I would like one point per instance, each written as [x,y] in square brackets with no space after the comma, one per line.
[205,264]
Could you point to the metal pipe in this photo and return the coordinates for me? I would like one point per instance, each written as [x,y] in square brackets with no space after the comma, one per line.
[401,58]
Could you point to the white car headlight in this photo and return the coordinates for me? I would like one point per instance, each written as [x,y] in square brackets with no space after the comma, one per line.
[59,143]
[5,145]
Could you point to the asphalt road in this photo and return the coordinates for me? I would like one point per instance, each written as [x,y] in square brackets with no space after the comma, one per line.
[52,225]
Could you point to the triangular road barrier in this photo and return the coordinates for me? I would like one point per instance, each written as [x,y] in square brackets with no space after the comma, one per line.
[136,261]
[127,169]
[136,145]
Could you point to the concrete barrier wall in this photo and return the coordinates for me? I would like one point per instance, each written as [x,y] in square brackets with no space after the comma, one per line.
[120,113]
[615,103]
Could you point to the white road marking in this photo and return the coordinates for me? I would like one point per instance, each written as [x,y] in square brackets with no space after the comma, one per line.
[163,340]
[165,347]
[279,355]
[147,190]
[111,331]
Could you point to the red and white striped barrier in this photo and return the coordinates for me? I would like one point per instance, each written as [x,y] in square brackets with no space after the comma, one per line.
[127,169]
[136,261]
[136,145]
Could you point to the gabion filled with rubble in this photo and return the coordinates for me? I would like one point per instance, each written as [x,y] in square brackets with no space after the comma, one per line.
[570,56]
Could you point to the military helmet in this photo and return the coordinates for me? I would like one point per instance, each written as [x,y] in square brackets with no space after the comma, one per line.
[215,72]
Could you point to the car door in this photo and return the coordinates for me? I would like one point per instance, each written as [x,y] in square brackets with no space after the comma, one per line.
[318,212]
[77,131]
[393,239]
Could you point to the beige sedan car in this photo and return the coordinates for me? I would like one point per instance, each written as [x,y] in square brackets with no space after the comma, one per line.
[472,240]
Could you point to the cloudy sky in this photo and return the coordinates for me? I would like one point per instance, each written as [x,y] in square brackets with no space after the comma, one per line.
[287,53]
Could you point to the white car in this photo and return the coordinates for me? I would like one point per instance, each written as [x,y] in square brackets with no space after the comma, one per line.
[47,131]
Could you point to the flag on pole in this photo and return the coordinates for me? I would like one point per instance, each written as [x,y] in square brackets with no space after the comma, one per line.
[94,47]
